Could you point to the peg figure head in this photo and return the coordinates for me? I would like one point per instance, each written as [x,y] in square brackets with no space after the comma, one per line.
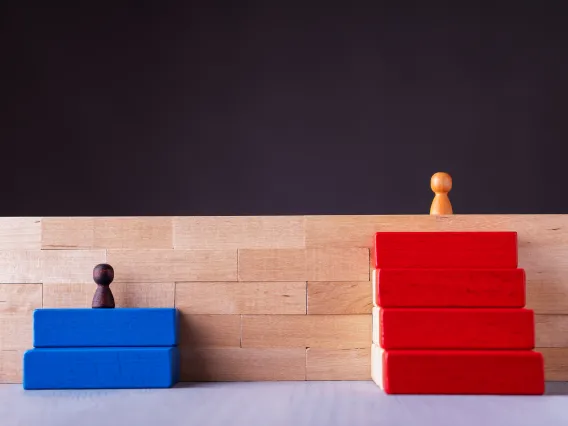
[441,183]
[103,274]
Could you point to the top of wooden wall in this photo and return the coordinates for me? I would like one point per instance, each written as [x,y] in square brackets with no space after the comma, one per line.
[236,232]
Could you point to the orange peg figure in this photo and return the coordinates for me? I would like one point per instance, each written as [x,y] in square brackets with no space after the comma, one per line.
[441,184]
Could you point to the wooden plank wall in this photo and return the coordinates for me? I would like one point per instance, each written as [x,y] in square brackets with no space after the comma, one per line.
[262,298]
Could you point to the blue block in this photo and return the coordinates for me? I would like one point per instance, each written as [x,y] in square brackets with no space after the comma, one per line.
[89,327]
[101,368]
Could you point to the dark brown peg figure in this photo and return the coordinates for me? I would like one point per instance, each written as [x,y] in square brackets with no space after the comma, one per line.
[103,274]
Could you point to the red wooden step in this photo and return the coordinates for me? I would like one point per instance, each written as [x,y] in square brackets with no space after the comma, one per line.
[432,328]
[479,288]
[458,372]
[472,250]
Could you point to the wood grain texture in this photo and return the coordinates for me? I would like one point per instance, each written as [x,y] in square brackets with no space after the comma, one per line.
[107,232]
[237,232]
[555,363]
[551,331]
[20,233]
[283,251]
[546,267]
[338,364]
[347,264]
[210,331]
[173,265]
[19,299]
[272,265]
[70,266]
[315,331]
[343,264]
[17,303]
[339,298]
[20,266]
[16,332]
[241,297]
[238,364]
[358,231]
[126,295]
[11,365]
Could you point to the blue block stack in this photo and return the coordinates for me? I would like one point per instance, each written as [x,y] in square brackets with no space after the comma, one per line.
[103,349]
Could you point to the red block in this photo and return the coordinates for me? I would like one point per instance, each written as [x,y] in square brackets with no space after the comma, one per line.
[448,288]
[459,372]
[431,328]
[439,250]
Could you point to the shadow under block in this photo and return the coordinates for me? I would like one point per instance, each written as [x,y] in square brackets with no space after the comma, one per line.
[118,327]
[447,288]
[452,250]
[101,368]
[431,328]
[458,372]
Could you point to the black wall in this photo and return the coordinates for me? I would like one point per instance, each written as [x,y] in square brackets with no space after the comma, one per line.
[154,109]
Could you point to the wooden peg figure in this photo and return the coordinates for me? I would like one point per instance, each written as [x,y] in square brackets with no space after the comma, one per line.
[441,184]
[103,274]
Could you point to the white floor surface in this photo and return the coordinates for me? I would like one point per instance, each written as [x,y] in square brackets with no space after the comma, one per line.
[276,404]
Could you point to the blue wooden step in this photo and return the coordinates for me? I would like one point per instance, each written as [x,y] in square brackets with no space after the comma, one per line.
[101,368]
[79,327]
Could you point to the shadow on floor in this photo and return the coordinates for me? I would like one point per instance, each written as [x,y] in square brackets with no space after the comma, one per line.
[552,388]
[556,388]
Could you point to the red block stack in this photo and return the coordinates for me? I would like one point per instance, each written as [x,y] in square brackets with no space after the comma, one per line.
[450,317]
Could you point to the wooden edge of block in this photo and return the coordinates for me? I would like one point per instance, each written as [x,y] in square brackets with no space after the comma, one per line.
[376,326]
[377,366]
[374,281]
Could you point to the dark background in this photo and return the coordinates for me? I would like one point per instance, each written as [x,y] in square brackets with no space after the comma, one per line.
[159,108]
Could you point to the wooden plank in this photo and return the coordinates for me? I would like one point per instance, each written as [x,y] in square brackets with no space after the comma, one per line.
[343,264]
[272,265]
[20,266]
[555,364]
[339,298]
[11,366]
[17,332]
[19,299]
[210,330]
[241,297]
[238,364]
[316,331]
[133,233]
[173,265]
[126,295]
[70,266]
[20,233]
[546,268]
[338,364]
[236,232]
[17,303]
[107,232]
[551,331]
[67,233]
[304,265]
[358,230]
[67,295]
